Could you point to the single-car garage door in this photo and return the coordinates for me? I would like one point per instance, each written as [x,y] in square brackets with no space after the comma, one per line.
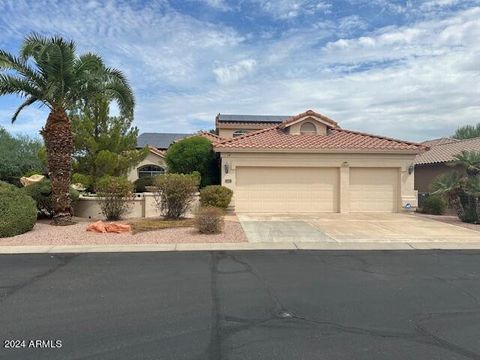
[286,190]
[373,190]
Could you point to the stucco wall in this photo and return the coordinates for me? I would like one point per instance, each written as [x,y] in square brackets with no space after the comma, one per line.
[151,159]
[425,175]
[294,129]
[407,194]
[143,206]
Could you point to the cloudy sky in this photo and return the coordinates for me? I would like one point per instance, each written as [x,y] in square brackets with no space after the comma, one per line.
[408,69]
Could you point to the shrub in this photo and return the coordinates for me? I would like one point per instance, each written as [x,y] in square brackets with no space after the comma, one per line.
[216,196]
[18,212]
[174,194]
[41,192]
[435,205]
[209,220]
[194,153]
[83,179]
[142,182]
[115,196]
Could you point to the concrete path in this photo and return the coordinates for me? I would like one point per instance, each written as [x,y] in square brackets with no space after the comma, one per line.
[352,228]
[77,249]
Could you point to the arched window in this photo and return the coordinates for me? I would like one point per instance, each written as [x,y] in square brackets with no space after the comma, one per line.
[308,128]
[150,170]
[239,133]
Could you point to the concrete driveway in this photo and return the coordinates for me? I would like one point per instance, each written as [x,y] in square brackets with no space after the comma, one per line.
[351,228]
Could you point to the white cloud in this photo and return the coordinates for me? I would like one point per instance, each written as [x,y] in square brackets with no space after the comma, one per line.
[286,9]
[215,4]
[235,72]
[414,81]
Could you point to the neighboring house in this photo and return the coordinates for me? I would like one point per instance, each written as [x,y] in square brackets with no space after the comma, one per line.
[158,143]
[307,163]
[434,162]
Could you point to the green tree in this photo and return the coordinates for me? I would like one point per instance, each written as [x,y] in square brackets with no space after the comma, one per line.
[469,160]
[451,185]
[49,71]
[104,144]
[467,132]
[18,156]
[191,154]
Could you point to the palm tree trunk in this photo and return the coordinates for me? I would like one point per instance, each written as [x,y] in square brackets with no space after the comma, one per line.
[58,137]
[456,203]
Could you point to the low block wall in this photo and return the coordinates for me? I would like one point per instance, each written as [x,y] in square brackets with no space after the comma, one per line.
[143,206]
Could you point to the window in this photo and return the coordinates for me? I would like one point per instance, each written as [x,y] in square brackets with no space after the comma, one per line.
[239,133]
[308,128]
[150,170]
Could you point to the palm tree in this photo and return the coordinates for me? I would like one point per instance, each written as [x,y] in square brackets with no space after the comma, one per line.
[469,160]
[49,72]
[451,186]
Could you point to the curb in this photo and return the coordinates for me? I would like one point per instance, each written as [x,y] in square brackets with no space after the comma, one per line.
[62,249]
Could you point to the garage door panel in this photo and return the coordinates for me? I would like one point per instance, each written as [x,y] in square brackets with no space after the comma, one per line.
[373,189]
[286,190]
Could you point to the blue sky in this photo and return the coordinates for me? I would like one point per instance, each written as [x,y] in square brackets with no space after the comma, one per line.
[408,69]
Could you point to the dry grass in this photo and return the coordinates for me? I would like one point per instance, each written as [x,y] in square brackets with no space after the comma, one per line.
[142,225]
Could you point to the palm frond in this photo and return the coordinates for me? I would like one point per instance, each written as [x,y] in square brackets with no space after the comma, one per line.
[10,62]
[10,84]
[30,100]
[122,93]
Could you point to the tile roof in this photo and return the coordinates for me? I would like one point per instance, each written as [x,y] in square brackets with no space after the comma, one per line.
[156,151]
[274,138]
[251,118]
[212,137]
[159,140]
[445,152]
[309,113]
[439,141]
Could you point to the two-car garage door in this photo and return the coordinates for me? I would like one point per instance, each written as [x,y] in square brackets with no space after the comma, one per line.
[309,190]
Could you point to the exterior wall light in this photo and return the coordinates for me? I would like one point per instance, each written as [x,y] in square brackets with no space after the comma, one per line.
[411,168]
[226,168]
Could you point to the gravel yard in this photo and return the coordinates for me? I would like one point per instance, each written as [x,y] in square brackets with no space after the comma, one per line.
[449,219]
[45,234]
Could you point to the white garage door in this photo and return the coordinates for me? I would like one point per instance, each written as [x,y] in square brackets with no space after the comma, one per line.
[286,190]
[373,190]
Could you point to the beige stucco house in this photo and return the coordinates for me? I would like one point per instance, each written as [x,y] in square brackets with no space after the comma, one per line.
[307,163]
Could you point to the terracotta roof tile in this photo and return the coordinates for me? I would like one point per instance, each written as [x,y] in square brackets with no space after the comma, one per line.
[309,113]
[445,152]
[439,141]
[214,138]
[156,151]
[275,138]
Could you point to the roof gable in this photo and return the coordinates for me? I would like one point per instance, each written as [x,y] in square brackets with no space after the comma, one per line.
[311,115]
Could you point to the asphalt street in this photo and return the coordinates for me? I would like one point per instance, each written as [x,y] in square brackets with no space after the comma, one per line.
[241,305]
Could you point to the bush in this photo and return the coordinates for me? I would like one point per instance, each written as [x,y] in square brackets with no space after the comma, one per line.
[216,196]
[209,220]
[435,205]
[175,194]
[142,182]
[18,212]
[41,192]
[115,196]
[191,154]
[83,179]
